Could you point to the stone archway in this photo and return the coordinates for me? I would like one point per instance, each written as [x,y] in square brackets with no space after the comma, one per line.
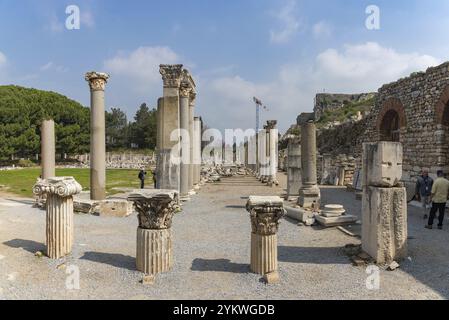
[391,120]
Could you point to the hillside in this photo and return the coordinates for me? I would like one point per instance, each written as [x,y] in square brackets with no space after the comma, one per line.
[21,111]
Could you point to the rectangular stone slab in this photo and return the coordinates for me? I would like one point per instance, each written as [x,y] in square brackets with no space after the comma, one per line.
[140,194]
[382,164]
[271,201]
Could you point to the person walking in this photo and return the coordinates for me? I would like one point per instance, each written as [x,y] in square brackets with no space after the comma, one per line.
[424,185]
[440,193]
[142,176]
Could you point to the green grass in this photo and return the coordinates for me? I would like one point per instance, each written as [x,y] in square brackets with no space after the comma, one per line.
[20,182]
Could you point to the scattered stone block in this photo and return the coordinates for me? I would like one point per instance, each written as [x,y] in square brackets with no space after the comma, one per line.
[382,164]
[393,266]
[329,222]
[148,279]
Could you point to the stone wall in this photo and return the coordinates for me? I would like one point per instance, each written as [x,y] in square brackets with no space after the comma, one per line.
[336,170]
[332,101]
[121,160]
[419,106]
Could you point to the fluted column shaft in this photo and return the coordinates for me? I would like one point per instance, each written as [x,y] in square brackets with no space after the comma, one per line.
[59,226]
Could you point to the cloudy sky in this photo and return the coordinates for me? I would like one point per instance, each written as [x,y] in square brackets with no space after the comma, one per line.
[282,51]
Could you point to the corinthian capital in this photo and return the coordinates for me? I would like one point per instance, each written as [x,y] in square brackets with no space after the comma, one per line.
[97,80]
[61,186]
[171,75]
[155,208]
[265,213]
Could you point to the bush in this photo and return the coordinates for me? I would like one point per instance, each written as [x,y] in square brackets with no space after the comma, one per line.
[26,163]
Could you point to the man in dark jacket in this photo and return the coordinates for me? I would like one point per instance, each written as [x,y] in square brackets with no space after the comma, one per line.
[142,175]
[424,185]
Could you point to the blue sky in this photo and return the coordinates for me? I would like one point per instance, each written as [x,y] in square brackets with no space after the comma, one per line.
[283,51]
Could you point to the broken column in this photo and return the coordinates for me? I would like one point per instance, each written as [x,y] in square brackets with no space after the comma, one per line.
[384,203]
[293,168]
[59,217]
[167,170]
[154,252]
[309,193]
[97,82]
[265,213]
[48,149]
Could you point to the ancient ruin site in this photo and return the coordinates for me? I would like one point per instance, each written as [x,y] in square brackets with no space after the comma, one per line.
[266,152]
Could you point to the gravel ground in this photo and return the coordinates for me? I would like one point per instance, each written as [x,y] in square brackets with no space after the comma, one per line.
[211,250]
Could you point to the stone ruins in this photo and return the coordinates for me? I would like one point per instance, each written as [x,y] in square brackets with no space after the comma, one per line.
[59,193]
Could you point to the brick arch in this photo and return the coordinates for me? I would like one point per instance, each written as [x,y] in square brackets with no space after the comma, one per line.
[442,108]
[391,115]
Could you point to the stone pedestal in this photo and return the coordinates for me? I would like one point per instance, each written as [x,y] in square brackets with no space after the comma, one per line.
[155,209]
[334,215]
[309,194]
[384,203]
[293,168]
[265,213]
[48,149]
[97,82]
[154,251]
[59,217]
[384,224]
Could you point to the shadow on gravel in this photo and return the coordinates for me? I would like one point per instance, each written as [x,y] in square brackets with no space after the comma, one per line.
[22,201]
[235,207]
[27,245]
[113,259]
[220,265]
[312,255]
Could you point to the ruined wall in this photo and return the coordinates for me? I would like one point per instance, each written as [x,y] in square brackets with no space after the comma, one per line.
[420,102]
[332,101]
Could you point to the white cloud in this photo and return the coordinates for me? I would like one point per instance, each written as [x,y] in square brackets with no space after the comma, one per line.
[3,65]
[2,59]
[50,66]
[355,68]
[142,64]
[322,29]
[290,24]
[55,25]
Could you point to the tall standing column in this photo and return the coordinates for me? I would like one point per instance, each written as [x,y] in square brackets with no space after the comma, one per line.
[272,151]
[293,168]
[192,138]
[184,93]
[154,253]
[59,217]
[48,149]
[97,82]
[196,150]
[309,194]
[265,213]
[167,170]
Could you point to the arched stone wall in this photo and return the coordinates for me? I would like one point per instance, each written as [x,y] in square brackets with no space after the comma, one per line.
[391,118]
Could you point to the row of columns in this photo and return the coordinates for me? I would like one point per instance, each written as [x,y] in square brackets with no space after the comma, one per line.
[178,129]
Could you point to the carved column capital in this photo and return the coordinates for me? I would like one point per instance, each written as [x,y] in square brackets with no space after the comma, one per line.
[171,75]
[185,91]
[155,208]
[265,213]
[97,80]
[61,186]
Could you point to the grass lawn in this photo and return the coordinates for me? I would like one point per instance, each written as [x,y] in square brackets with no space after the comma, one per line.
[21,181]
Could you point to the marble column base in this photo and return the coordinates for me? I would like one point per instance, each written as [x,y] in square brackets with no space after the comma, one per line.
[154,251]
[264,253]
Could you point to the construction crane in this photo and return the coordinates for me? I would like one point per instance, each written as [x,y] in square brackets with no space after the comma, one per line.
[259,105]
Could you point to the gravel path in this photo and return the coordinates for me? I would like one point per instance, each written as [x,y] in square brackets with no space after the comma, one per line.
[211,249]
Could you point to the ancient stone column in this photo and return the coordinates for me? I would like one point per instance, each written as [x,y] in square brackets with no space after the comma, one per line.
[309,194]
[196,150]
[97,82]
[167,170]
[155,208]
[48,149]
[59,218]
[272,145]
[384,203]
[294,168]
[185,92]
[265,213]
[192,137]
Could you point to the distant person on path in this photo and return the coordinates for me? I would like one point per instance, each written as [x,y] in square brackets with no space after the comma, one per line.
[423,190]
[142,175]
[153,172]
[440,193]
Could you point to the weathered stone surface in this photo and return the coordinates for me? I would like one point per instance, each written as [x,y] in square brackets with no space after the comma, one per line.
[264,253]
[154,253]
[48,149]
[328,222]
[300,214]
[382,164]
[59,213]
[384,223]
[293,168]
